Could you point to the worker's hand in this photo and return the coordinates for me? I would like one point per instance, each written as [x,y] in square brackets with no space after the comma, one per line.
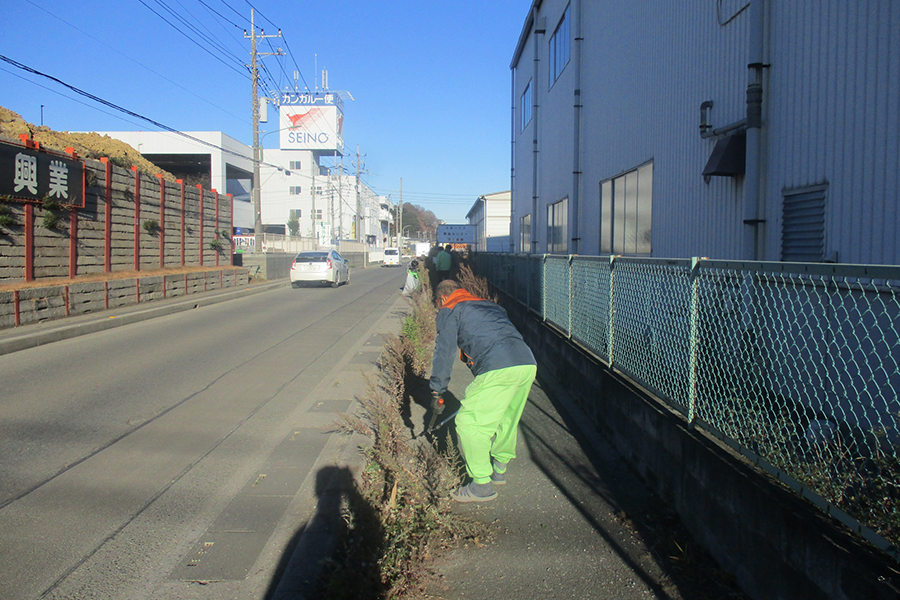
[437,403]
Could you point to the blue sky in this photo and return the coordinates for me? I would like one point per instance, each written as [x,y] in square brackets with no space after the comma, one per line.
[431,80]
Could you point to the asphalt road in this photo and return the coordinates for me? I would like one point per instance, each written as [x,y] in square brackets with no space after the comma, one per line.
[178,457]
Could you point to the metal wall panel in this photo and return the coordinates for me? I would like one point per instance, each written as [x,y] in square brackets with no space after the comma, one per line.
[831,115]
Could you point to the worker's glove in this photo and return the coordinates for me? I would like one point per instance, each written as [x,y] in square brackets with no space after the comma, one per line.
[437,403]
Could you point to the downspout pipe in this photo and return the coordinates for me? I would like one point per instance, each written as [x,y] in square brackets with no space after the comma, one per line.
[576,166]
[753,172]
[513,226]
[539,29]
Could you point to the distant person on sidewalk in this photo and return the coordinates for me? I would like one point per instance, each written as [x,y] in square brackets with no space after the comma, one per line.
[412,278]
[504,369]
[442,263]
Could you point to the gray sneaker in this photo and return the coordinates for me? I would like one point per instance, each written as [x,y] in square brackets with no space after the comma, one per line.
[475,492]
[498,477]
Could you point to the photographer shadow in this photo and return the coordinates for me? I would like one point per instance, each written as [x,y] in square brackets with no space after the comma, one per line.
[320,553]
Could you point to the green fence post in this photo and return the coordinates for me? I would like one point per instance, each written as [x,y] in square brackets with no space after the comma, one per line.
[543,287]
[611,338]
[571,296]
[694,340]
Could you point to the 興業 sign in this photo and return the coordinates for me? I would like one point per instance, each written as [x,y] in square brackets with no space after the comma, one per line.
[30,174]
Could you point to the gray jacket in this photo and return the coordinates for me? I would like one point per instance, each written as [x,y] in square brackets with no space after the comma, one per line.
[483,331]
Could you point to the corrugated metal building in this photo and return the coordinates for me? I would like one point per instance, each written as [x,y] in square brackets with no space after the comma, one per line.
[490,216]
[792,109]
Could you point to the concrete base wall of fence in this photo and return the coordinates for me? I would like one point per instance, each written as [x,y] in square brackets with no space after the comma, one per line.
[270,266]
[277,265]
[776,544]
[37,304]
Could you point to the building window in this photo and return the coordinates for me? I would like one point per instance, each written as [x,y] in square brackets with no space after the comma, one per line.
[526,106]
[318,190]
[318,214]
[803,224]
[558,227]
[626,210]
[559,48]
[525,234]
[295,190]
[294,165]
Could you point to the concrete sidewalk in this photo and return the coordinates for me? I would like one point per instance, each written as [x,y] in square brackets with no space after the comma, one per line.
[566,522]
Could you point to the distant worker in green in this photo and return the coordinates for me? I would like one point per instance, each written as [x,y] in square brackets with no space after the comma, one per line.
[442,263]
[412,279]
[504,369]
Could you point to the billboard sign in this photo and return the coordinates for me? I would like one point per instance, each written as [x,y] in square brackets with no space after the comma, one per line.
[311,121]
[456,234]
[32,174]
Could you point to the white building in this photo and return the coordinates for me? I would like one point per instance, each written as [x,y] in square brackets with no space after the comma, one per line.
[790,109]
[490,215]
[287,180]
[211,159]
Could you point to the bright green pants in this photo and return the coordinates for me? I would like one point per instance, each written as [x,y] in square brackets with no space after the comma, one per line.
[493,406]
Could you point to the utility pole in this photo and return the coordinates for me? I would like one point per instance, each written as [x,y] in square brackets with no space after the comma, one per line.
[400,219]
[359,217]
[315,229]
[254,78]
[331,201]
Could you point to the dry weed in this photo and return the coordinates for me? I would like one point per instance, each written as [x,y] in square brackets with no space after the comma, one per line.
[400,518]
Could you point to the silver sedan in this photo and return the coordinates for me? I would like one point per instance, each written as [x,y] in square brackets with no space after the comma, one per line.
[319,266]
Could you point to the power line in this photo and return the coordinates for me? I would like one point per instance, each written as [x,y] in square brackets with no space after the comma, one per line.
[58,93]
[221,16]
[286,45]
[122,109]
[207,50]
[209,40]
[235,11]
[175,83]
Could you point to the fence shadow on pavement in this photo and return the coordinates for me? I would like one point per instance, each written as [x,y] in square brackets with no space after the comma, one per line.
[595,479]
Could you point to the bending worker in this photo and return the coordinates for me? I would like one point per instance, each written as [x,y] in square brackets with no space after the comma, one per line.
[504,369]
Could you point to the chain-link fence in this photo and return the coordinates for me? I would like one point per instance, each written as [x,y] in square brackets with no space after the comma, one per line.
[796,365]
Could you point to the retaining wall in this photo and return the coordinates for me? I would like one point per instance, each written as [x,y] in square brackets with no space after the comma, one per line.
[37,304]
[778,546]
[114,230]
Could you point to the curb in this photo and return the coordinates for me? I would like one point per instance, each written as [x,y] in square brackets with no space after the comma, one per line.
[64,329]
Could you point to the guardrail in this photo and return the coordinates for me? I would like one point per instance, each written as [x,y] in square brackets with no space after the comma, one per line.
[795,365]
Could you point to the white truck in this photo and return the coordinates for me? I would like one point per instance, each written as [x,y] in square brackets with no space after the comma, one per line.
[422,248]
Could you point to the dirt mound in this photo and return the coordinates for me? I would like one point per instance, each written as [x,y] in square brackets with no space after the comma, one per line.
[86,145]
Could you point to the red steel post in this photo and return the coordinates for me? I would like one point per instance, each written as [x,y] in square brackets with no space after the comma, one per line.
[181,183]
[162,223]
[107,218]
[73,232]
[137,219]
[73,242]
[29,242]
[200,188]
[231,229]
[217,224]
